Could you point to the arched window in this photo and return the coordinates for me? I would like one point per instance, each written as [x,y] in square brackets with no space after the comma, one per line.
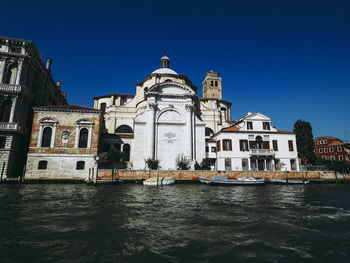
[208,131]
[259,142]
[216,83]
[124,129]
[46,138]
[11,74]
[211,83]
[42,165]
[83,138]
[80,165]
[126,152]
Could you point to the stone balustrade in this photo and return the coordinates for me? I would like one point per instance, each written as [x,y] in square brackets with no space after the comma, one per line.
[261,152]
[5,87]
[9,126]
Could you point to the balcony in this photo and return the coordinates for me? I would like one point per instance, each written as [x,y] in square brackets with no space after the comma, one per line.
[261,152]
[10,88]
[7,126]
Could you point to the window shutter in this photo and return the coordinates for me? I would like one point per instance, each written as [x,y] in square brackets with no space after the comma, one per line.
[275,145]
[266,145]
[246,145]
[252,145]
[290,144]
[218,146]
[230,145]
[241,145]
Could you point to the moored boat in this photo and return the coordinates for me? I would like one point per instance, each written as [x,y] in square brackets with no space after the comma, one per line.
[161,181]
[289,181]
[224,180]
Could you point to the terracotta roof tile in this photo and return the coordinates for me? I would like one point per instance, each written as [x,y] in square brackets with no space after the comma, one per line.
[282,131]
[335,143]
[231,128]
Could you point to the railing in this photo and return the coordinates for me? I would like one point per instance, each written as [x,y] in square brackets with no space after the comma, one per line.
[10,87]
[261,152]
[9,126]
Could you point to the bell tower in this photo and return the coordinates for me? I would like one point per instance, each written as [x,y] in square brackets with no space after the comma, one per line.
[212,86]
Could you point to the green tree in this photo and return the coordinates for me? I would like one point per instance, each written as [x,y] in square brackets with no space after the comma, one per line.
[305,141]
[115,158]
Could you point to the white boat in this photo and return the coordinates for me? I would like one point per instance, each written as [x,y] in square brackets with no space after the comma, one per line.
[289,181]
[162,180]
[224,180]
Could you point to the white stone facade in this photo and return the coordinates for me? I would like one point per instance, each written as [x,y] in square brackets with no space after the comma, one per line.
[253,144]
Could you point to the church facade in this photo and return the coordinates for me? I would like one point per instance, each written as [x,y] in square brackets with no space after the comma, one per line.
[165,119]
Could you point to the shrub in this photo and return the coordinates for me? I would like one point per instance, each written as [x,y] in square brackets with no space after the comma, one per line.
[204,165]
[182,162]
[152,164]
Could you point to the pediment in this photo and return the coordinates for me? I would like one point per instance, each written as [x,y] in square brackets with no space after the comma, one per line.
[258,116]
[171,88]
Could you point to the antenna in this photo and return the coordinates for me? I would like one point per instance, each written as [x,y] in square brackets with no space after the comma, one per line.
[164,51]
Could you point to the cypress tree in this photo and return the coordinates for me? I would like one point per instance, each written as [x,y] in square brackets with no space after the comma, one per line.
[305,141]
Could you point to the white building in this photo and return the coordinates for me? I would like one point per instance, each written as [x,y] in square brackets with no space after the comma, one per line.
[165,118]
[252,143]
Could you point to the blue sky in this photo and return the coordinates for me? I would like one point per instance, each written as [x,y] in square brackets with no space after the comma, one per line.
[287,59]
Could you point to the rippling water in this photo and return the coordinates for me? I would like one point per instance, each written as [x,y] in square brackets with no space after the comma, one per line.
[179,223]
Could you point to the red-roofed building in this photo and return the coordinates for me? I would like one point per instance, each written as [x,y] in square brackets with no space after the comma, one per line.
[252,143]
[332,148]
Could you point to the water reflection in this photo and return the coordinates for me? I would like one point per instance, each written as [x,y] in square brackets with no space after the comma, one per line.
[198,223]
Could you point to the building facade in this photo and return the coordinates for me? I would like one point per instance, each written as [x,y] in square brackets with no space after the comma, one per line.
[253,144]
[332,148]
[64,142]
[24,82]
[165,118]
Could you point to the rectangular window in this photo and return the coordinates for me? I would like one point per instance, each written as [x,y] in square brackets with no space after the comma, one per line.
[290,145]
[266,125]
[340,157]
[252,145]
[331,149]
[218,146]
[277,165]
[332,158]
[226,145]
[293,166]
[266,145]
[275,145]
[245,165]
[2,142]
[325,150]
[213,149]
[339,149]
[243,145]
[320,150]
[249,125]
[206,149]
[315,150]
[42,165]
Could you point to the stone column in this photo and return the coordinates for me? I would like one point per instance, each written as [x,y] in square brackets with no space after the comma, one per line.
[76,137]
[2,69]
[40,136]
[13,108]
[53,136]
[152,109]
[89,138]
[19,72]
[188,131]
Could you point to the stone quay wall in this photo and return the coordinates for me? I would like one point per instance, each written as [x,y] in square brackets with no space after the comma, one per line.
[193,176]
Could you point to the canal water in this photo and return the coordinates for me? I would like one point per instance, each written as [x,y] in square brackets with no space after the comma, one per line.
[178,223]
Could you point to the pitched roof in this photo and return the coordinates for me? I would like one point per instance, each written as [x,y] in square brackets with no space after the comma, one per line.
[326,137]
[282,131]
[337,142]
[231,128]
[71,107]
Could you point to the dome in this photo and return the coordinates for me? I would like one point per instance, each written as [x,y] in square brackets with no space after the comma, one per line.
[164,71]
[164,57]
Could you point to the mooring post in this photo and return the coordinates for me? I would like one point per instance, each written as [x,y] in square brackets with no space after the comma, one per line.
[302,175]
[286,176]
[168,172]
[157,175]
[336,177]
[2,171]
[112,175]
[149,173]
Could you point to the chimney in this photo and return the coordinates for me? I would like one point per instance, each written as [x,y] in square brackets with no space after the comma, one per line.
[48,64]
[58,84]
